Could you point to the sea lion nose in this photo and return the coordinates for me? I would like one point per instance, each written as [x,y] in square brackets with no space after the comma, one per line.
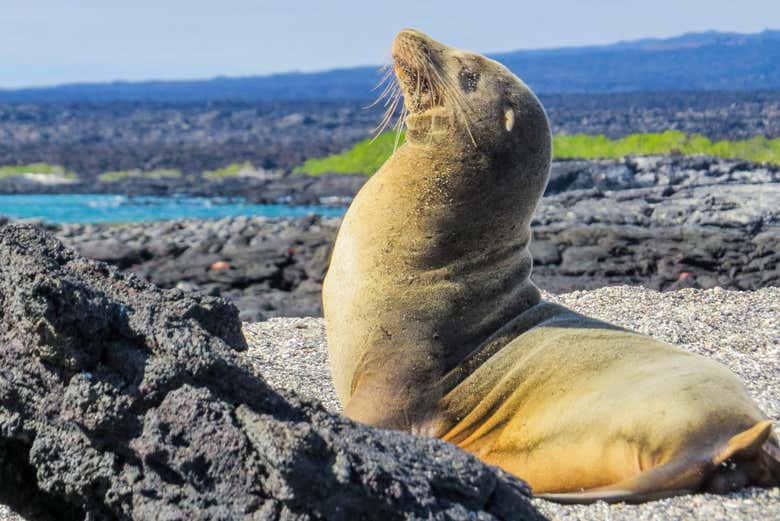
[409,37]
[410,32]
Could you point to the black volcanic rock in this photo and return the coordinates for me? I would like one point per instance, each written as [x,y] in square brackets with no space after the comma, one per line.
[92,138]
[695,221]
[119,400]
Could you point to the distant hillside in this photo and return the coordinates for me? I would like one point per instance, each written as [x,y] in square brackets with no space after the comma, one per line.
[700,61]
[695,61]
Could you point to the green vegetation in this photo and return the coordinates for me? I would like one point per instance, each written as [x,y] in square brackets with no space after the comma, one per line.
[232,170]
[758,149]
[110,177]
[35,168]
[366,157]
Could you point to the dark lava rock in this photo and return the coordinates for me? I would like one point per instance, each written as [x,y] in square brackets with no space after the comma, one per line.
[267,267]
[725,235]
[91,138]
[119,400]
[676,221]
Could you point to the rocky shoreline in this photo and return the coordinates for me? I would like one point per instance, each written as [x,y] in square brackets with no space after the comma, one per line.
[265,188]
[260,186]
[664,223]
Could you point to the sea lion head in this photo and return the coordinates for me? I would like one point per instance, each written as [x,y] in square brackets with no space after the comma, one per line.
[455,96]
[477,153]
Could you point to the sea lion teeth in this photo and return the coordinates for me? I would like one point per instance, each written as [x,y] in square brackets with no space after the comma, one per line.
[435,327]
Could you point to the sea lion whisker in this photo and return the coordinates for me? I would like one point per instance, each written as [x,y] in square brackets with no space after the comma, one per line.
[431,87]
[387,91]
[435,100]
[383,123]
[381,127]
[386,76]
[386,94]
[388,116]
[399,127]
[392,94]
[384,119]
[459,101]
[391,99]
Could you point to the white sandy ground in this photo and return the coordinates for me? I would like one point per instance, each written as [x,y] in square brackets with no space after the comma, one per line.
[739,329]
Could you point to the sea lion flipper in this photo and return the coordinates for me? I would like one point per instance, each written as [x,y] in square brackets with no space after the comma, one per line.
[610,496]
[674,478]
[750,458]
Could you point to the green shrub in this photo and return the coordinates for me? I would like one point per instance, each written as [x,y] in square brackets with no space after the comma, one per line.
[35,168]
[367,156]
[160,173]
[758,149]
[163,173]
[232,170]
[364,158]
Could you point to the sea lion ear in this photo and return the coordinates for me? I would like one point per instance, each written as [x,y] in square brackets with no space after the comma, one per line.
[509,119]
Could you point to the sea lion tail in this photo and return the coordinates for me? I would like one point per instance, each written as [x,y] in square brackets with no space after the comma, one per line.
[752,457]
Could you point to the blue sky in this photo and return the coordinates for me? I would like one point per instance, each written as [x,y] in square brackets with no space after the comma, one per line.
[44,42]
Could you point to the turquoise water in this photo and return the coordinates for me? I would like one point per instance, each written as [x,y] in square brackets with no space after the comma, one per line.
[83,208]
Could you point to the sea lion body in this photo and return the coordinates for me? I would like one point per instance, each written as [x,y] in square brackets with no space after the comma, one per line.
[573,404]
[435,327]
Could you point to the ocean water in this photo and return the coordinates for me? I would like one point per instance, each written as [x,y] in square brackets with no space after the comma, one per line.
[84,208]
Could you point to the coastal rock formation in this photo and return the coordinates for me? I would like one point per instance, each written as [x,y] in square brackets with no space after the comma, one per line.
[656,171]
[660,222]
[119,400]
[663,238]
[273,188]
[266,267]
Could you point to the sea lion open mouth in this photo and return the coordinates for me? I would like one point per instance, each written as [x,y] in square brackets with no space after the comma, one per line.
[417,85]
[419,91]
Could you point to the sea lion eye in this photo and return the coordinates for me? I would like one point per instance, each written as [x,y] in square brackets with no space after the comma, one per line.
[468,80]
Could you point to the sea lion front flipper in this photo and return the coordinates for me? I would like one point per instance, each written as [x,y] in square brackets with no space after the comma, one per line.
[750,458]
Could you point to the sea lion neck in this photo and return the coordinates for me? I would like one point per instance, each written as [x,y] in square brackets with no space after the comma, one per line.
[432,256]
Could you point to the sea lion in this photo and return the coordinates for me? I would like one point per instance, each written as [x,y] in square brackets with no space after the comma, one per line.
[434,326]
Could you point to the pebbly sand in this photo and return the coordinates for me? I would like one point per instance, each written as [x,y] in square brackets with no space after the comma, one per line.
[739,329]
